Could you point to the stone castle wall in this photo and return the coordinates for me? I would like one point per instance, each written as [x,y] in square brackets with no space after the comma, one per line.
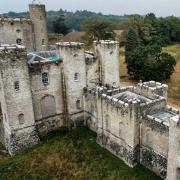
[12,30]
[16,100]
[38,18]
[31,33]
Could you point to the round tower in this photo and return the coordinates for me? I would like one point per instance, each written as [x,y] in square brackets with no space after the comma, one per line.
[38,18]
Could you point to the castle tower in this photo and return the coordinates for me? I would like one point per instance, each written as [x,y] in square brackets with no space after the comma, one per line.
[38,18]
[108,53]
[74,72]
[16,100]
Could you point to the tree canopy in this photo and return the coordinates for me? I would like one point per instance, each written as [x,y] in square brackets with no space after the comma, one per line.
[59,26]
[149,63]
[98,29]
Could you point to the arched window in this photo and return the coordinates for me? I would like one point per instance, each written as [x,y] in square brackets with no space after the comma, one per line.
[48,106]
[43,41]
[76,77]
[78,104]
[75,55]
[45,78]
[16,86]
[18,41]
[21,118]
[18,30]
[107,123]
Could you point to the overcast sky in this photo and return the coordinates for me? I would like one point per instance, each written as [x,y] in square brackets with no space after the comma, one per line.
[117,7]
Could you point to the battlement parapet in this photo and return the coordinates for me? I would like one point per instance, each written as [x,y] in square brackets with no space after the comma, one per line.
[12,21]
[11,54]
[151,88]
[73,45]
[152,85]
[106,44]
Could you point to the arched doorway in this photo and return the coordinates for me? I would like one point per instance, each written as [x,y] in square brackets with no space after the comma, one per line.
[48,106]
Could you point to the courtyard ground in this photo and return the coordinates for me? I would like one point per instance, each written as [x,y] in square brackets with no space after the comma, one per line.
[69,155]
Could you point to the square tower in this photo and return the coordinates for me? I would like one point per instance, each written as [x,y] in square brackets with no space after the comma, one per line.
[74,73]
[16,100]
[39,21]
[108,54]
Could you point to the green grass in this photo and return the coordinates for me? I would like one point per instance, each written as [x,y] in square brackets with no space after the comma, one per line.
[69,155]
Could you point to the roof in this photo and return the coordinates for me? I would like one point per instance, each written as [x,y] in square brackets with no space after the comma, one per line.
[127,95]
[43,57]
[164,116]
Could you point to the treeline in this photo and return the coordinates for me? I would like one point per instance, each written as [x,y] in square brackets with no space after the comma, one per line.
[144,39]
[153,30]
[72,20]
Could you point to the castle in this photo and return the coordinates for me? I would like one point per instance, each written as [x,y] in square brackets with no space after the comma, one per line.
[32,33]
[82,88]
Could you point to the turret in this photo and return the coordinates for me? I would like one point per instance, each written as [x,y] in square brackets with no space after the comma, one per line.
[108,54]
[16,100]
[74,72]
[39,21]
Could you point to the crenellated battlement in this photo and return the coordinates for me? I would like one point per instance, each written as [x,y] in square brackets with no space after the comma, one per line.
[71,45]
[13,51]
[11,21]
[150,88]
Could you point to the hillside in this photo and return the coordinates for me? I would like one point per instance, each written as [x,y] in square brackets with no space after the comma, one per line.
[69,155]
[73,20]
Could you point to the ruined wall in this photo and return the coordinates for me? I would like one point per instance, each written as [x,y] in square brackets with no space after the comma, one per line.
[16,100]
[39,21]
[47,98]
[11,30]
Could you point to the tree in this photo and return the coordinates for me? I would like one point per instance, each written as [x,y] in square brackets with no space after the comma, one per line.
[149,63]
[131,42]
[98,29]
[59,25]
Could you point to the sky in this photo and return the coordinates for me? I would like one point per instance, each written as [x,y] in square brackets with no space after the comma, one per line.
[116,7]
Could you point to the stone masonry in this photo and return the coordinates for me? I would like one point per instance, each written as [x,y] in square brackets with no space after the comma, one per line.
[32,33]
[82,88]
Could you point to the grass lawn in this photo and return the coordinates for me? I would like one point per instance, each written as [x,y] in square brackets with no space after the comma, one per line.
[69,155]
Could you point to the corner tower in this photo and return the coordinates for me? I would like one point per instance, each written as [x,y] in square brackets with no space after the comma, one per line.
[74,74]
[39,21]
[16,100]
[108,54]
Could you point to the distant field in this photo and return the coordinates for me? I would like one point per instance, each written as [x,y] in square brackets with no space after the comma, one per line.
[173,83]
[70,156]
